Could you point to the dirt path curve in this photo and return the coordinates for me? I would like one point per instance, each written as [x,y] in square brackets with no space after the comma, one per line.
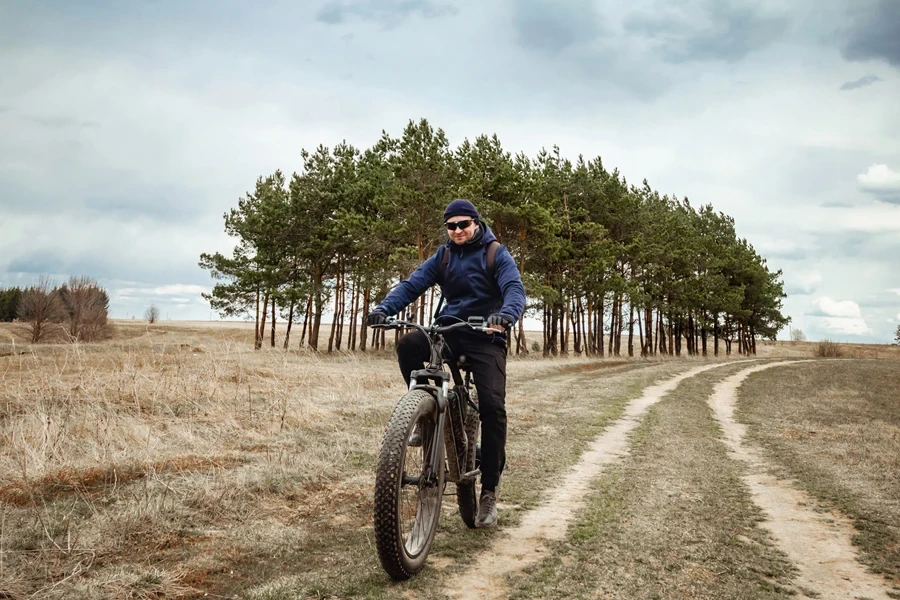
[517,548]
[818,544]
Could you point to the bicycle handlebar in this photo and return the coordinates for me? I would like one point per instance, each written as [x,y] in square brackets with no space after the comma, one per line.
[396,323]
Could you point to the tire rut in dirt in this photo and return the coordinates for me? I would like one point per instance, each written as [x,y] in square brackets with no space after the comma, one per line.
[519,547]
[399,561]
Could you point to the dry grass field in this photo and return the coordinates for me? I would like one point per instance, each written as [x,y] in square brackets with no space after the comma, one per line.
[174,461]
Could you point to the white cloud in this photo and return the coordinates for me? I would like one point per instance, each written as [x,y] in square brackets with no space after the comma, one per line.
[880,179]
[842,309]
[178,289]
[840,325]
[895,290]
[840,317]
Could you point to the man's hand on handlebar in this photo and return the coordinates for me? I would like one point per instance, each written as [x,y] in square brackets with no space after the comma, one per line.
[376,317]
[499,322]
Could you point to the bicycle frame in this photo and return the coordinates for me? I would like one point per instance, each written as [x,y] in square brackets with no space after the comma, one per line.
[440,388]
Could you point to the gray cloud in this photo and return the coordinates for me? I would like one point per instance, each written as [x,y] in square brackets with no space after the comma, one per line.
[871,247]
[874,33]
[111,194]
[551,27]
[721,32]
[60,122]
[31,264]
[793,254]
[388,13]
[862,82]
[195,105]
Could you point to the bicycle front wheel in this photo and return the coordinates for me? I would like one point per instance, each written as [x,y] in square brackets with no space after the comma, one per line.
[407,501]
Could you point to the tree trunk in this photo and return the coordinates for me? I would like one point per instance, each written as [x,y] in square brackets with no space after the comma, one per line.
[354,311]
[577,329]
[641,333]
[262,324]
[679,326]
[600,310]
[340,302]
[716,336]
[631,328]
[671,328]
[613,310]
[619,326]
[363,327]
[306,318]
[521,342]
[257,333]
[318,309]
[554,330]
[287,332]
[273,321]
[334,325]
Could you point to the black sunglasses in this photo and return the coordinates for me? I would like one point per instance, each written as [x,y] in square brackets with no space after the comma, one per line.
[459,224]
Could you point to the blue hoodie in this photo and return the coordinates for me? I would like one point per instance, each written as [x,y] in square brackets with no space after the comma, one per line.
[467,290]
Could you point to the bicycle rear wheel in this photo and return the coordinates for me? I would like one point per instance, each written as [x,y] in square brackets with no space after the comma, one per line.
[466,492]
[407,504]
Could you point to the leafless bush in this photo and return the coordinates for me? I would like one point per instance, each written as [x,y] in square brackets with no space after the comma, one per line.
[41,309]
[152,314]
[797,335]
[829,349]
[87,306]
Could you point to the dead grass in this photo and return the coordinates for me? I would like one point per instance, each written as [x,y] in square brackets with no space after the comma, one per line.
[175,458]
[828,349]
[835,428]
[174,461]
[673,520]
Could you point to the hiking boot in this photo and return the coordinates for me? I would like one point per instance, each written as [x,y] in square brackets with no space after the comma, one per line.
[487,510]
[415,439]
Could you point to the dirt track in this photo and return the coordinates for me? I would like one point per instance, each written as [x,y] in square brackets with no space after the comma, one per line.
[524,545]
[820,547]
[818,544]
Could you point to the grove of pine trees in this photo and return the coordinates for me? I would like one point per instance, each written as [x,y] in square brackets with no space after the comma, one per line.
[605,263]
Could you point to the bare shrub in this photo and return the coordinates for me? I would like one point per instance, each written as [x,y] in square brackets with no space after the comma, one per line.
[87,306]
[41,309]
[829,349]
[152,314]
[797,335]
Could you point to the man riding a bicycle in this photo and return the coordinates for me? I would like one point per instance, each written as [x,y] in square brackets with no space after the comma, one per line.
[471,287]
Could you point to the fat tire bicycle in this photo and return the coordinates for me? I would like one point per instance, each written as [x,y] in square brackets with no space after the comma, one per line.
[410,478]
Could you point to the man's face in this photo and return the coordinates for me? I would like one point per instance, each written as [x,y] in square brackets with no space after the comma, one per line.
[461,235]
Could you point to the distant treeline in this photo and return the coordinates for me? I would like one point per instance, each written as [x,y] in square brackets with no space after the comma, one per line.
[76,310]
[601,259]
[9,303]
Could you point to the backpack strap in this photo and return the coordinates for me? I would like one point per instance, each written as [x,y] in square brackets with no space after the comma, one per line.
[492,257]
[445,260]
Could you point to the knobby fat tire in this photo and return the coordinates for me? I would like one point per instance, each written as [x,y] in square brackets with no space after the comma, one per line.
[388,535]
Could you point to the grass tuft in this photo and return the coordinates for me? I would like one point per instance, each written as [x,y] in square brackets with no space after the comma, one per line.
[828,349]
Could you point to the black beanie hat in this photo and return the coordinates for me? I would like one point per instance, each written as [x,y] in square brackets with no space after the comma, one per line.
[460,208]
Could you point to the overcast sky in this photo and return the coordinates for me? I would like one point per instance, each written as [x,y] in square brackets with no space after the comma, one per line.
[129,128]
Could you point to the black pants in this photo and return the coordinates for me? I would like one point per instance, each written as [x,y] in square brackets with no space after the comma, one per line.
[487,362]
